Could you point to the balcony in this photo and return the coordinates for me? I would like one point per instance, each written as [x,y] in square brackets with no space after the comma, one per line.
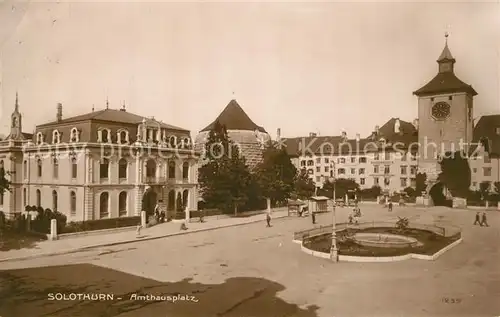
[153,180]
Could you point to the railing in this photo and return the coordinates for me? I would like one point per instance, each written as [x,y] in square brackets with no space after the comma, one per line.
[446,231]
[154,180]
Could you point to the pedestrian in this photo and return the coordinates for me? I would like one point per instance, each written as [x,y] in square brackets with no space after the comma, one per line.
[484,221]
[184,226]
[390,206]
[350,219]
[138,231]
[268,219]
[313,216]
[478,220]
[202,216]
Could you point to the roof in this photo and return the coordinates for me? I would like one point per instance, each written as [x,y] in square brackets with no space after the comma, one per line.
[487,127]
[445,82]
[233,117]
[445,54]
[111,115]
[330,145]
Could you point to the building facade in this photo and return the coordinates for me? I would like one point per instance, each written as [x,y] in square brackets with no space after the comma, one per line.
[98,165]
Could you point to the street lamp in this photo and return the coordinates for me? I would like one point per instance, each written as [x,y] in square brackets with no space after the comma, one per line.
[334,253]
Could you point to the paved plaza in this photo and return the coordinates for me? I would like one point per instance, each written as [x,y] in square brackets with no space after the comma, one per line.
[252,270]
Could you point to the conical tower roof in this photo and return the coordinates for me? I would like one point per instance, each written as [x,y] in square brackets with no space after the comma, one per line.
[235,118]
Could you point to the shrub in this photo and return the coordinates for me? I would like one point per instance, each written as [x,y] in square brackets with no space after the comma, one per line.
[402,223]
[101,224]
[2,220]
[43,220]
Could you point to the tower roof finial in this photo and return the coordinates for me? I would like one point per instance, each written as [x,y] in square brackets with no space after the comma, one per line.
[16,106]
[107,103]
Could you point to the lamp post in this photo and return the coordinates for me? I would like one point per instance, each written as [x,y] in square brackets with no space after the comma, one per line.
[334,253]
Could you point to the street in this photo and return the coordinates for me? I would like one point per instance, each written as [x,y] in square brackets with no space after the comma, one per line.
[252,270]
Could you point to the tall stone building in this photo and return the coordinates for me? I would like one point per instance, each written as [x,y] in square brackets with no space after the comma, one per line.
[250,137]
[445,114]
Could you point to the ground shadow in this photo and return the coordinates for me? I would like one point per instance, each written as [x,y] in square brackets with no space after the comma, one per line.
[15,241]
[26,292]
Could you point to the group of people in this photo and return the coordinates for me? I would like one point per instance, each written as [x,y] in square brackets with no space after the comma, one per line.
[355,215]
[481,220]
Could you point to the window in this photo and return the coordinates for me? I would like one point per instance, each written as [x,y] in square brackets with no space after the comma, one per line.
[375,180]
[25,169]
[353,171]
[450,97]
[403,157]
[487,158]
[302,163]
[318,169]
[375,168]
[404,182]
[55,169]
[474,170]
[122,137]
[361,181]
[74,168]
[317,179]
[171,170]
[403,170]
[353,159]
[39,167]
[331,173]
[327,160]
[38,198]
[387,156]
[362,159]
[376,156]
[341,160]
[185,196]
[103,135]
[25,197]
[413,170]
[104,205]
[318,160]
[387,169]
[122,204]
[310,163]
[54,200]
[56,137]
[413,157]
[1,199]
[327,169]
[74,137]
[72,203]
[150,168]
[341,171]
[498,130]
[487,171]
[361,171]
[39,138]
[173,141]
[387,181]
[104,168]
[185,170]
[122,168]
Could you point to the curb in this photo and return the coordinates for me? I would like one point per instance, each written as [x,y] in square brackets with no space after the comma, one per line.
[179,233]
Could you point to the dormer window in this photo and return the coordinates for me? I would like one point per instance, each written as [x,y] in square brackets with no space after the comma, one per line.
[56,137]
[173,141]
[122,136]
[39,138]
[74,135]
[185,143]
[104,135]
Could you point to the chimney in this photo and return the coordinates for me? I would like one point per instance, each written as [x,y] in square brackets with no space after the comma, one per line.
[344,135]
[415,124]
[397,126]
[278,137]
[377,130]
[312,134]
[358,137]
[59,112]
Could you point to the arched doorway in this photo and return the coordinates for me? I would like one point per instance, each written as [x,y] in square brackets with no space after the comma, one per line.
[149,200]
[171,200]
[437,194]
[185,197]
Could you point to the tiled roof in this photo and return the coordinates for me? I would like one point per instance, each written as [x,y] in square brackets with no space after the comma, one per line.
[235,118]
[445,82]
[111,115]
[487,127]
[336,145]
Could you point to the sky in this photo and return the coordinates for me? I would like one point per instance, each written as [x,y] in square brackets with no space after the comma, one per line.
[303,67]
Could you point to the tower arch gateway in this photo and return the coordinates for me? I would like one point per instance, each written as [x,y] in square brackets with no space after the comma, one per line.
[445,117]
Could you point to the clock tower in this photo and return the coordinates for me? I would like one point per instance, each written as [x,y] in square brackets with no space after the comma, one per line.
[445,114]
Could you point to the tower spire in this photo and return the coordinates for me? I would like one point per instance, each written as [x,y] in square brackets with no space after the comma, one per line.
[107,103]
[16,106]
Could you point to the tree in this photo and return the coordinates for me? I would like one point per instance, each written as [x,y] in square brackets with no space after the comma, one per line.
[484,188]
[304,186]
[420,185]
[410,191]
[496,186]
[4,182]
[225,176]
[343,186]
[276,174]
[455,173]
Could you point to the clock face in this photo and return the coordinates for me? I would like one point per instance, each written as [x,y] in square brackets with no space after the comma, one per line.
[441,110]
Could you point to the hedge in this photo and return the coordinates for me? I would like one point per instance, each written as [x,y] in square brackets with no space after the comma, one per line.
[101,224]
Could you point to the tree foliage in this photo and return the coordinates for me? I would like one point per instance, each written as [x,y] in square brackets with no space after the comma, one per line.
[4,182]
[224,177]
[342,187]
[455,173]
[420,185]
[276,175]
[484,188]
[304,186]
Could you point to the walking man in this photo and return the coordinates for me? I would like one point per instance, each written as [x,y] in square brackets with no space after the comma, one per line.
[390,206]
[484,221]
[268,219]
[478,220]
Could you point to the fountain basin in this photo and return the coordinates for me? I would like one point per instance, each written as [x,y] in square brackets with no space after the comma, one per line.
[384,240]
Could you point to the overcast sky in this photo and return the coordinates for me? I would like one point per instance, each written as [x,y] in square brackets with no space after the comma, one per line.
[320,67]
